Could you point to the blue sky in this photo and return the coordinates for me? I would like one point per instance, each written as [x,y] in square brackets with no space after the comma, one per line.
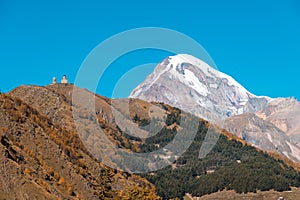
[257,42]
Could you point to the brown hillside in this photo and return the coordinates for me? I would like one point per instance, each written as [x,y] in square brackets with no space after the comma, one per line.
[41,158]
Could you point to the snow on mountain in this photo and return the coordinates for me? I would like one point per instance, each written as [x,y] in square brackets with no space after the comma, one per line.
[189,83]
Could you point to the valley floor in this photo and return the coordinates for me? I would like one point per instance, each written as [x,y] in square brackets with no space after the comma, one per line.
[268,195]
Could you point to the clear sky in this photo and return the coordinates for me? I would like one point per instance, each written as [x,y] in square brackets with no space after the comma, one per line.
[256,41]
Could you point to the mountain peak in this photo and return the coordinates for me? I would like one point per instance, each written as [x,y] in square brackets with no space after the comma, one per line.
[187,82]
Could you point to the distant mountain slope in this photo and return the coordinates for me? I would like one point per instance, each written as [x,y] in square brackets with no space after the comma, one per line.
[262,134]
[188,83]
[284,113]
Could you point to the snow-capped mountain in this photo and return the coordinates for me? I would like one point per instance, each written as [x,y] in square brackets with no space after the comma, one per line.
[188,83]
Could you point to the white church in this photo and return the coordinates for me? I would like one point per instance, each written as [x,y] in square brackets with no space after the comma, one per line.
[64,80]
